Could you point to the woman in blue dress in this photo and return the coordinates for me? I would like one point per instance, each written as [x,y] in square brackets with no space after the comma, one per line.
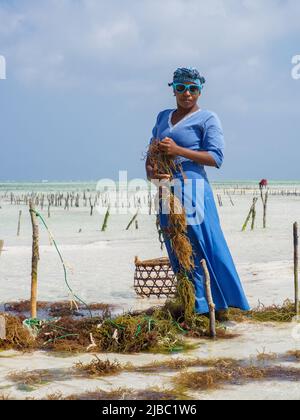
[194,137]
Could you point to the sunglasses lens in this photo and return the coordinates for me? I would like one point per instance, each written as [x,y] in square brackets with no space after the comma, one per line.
[194,89]
[180,88]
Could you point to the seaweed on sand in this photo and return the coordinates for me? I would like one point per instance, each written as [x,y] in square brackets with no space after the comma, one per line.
[32,379]
[179,364]
[153,393]
[23,306]
[122,334]
[233,373]
[294,354]
[98,367]
[275,313]
[192,325]
[17,336]
[59,309]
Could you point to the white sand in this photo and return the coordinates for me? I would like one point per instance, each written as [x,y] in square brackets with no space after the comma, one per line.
[103,271]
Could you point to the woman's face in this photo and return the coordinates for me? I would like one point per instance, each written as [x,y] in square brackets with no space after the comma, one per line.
[187,100]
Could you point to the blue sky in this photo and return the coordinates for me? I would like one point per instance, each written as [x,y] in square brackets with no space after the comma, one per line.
[86,79]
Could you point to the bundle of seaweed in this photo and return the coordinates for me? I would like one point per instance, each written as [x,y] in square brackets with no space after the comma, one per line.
[274,313]
[17,336]
[98,367]
[67,334]
[194,325]
[161,162]
[177,227]
[122,334]
[186,295]
[127,333]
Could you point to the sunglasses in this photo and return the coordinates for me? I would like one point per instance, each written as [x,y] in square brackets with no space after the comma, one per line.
[182,87]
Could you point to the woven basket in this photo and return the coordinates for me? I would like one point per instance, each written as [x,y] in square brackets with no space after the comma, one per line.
[154,278]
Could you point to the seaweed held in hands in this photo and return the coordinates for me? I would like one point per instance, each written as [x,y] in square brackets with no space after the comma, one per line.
[176,231]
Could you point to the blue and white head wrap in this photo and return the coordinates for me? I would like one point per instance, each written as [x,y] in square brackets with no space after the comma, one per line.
[183,74]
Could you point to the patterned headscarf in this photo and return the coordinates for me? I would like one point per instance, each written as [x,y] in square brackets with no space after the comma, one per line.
[182,75]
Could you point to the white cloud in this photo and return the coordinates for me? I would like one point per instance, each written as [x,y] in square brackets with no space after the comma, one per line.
[67,43]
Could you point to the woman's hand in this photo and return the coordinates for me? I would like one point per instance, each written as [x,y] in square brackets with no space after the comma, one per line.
[169,147]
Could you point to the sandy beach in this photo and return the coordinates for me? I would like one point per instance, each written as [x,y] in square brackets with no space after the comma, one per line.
[101,269]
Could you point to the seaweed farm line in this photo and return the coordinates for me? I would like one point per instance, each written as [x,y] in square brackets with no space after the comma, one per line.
[77,195]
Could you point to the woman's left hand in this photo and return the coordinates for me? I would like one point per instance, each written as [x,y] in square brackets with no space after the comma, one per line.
[168,146]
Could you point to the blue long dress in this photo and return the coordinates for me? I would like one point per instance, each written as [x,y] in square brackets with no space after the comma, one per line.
[202,130]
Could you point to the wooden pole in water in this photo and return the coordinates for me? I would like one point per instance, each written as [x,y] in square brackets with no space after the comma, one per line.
[253,217]
[150,203]
[35,259]
[211,305]
[249,214]
[19,223]
[1,246]
[264,200]
[296,268]
[133,219]
[104,226]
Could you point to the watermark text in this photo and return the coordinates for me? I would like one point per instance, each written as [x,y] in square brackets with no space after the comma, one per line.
[296,68]
[2,68]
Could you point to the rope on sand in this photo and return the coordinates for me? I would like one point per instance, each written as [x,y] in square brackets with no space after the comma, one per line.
[73,295]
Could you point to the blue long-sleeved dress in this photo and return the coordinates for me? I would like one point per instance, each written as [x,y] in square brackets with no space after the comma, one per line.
[202,130]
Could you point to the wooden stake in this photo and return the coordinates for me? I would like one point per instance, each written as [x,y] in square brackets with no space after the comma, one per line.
[253,217]
[133,219]
[19,223]
[1,246]
[91,207]
[211,305]
[249,214]
[150,203]
[296,268]
[264,200]
[35,259]
[2,328]
[104,226]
